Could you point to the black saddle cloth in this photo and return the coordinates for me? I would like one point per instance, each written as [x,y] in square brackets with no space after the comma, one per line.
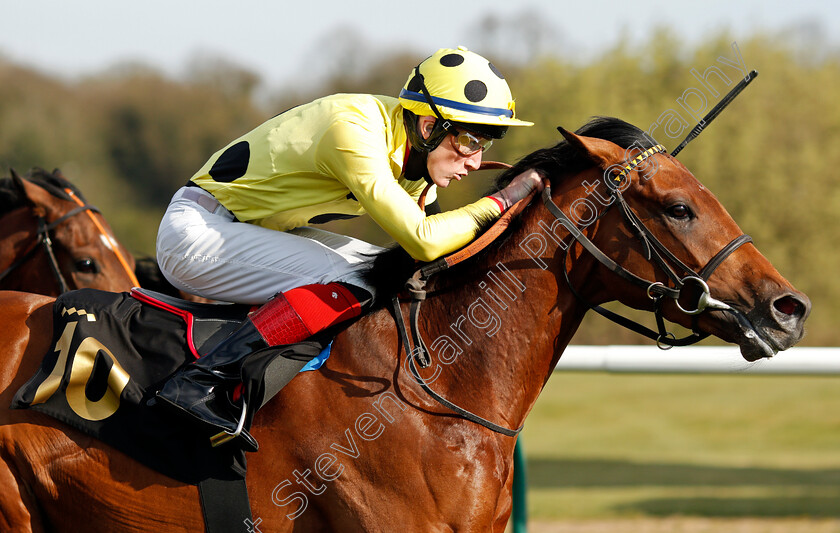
[111,353]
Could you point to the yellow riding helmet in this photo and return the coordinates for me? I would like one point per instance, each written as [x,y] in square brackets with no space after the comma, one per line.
[463,86]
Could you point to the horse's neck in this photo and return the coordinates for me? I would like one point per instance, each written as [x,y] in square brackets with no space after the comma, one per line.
[19,229]
[497,328]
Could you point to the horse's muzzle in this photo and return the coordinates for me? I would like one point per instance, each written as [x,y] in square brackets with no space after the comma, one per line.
[774,325]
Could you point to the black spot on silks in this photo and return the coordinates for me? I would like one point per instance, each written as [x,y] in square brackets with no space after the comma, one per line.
[329,217]
[415,85]
[232,164]
[451,60]
[475,91]
[496,71]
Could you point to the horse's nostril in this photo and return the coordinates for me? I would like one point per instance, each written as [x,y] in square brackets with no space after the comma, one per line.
[789,306]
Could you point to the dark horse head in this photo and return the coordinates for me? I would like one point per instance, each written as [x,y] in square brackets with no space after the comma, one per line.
[52,240]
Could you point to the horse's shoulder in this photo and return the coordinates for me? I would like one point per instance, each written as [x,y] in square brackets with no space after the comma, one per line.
[27,331]
[372,328]
[16,303]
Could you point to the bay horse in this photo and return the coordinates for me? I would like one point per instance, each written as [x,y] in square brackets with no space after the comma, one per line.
[359,445]
[54,241]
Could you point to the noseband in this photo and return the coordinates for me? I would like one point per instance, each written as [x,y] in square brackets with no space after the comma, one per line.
[660,255]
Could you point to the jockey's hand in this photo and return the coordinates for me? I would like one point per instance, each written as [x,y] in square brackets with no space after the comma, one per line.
[520,187]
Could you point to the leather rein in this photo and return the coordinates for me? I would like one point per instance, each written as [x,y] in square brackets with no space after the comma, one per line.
[657,291]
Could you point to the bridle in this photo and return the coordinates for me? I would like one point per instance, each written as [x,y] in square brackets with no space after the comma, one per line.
[43,230]
[656,252]
[655,290]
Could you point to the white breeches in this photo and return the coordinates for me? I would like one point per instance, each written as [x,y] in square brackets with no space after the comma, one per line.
[207,253]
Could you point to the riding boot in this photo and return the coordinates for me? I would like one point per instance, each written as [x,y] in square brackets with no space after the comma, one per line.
[265,353]
[202,388]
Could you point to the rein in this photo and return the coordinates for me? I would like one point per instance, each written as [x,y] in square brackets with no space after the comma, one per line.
[655,290]
[416,288]
[420,348]
[43,231]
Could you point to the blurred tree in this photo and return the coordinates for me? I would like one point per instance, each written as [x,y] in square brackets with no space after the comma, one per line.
[210,71]
[159,132]
[521,38]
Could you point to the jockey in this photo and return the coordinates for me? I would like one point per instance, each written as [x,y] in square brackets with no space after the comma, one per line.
[240,230]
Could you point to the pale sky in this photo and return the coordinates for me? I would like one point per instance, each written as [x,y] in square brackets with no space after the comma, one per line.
[282,41]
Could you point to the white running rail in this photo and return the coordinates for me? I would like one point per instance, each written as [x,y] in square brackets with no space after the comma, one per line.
[697,360]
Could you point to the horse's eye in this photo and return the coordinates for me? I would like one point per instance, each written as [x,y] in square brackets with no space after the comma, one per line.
[679,212]
[87,266]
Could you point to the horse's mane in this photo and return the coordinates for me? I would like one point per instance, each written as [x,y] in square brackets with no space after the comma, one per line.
[12,198]
[562,159]
[389,269]
[150,276]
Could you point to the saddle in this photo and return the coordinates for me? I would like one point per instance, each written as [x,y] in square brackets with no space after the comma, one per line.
[111,352]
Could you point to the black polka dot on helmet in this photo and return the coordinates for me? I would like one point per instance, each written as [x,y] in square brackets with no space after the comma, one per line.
[496,71]
[456,86]
[451,60]
[475,90]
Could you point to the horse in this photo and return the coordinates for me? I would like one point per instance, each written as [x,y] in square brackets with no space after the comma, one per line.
[55,241]
[361,444]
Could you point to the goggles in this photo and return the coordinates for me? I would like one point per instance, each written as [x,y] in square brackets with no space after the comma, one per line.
[468,144]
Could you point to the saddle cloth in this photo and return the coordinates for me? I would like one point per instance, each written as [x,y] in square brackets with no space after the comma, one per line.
[111,353]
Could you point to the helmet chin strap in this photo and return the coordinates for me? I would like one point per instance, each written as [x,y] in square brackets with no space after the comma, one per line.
[441,128]
[417,162]
[416,166]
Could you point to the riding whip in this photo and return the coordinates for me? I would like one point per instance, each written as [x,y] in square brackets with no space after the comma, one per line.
[710,116]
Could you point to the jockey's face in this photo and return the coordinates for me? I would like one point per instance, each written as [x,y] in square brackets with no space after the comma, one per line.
[445,163]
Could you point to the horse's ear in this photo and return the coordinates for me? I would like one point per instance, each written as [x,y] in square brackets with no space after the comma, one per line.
[25,188]
[17,181]
[15,177]
[602,153]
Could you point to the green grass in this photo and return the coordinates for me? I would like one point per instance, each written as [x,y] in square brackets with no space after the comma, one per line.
[612,446]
